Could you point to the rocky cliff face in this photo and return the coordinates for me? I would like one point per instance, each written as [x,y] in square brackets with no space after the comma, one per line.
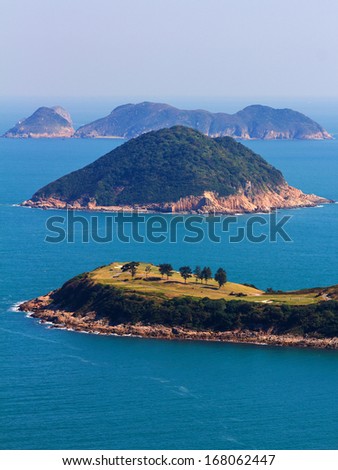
[253,122]
[285,197]
[44,123]
[244,201]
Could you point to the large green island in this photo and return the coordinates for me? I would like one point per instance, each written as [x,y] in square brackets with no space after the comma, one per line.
[176,170]
[112,300]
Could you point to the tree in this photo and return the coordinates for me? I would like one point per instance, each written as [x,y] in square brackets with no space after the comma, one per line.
[197,273]
[185,272]
[147,270]
[221,277]
[131,267]
[165,269]
[206,274]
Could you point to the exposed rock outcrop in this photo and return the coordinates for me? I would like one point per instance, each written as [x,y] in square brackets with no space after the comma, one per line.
[286,197]
[40,308]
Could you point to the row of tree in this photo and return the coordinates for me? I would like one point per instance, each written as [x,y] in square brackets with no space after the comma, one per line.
[205,274]
[186,272]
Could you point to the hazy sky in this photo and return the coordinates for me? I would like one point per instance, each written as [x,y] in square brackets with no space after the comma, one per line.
[161,48]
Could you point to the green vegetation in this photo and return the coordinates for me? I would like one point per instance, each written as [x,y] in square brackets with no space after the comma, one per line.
[198,273]
[206,274]
[165,269]
[130,267]
[163,166]
[185,272]
[221,277]
[149,299]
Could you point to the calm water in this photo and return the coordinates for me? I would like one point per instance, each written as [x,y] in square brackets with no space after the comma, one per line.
[60,389]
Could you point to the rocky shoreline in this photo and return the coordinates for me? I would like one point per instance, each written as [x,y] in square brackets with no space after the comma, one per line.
[244,202]
[38,308]
[62,134]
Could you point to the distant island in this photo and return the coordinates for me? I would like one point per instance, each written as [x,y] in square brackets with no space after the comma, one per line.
[44,123]
[131,120]
[253,122]
[141,299]
[175,170]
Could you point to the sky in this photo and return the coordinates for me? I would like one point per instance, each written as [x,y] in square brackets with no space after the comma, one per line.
[158,49]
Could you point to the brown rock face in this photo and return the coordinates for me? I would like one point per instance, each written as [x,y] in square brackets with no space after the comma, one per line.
[244,201]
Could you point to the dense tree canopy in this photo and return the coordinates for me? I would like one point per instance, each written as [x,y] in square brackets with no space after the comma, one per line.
[163,166]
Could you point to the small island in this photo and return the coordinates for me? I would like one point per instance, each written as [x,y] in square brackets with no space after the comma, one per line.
[141,299]
[176,170]
[45,123]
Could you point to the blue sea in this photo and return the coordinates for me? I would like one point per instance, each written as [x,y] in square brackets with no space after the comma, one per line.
[66,390]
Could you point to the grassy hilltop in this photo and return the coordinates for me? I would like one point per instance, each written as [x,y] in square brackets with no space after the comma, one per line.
[152,284]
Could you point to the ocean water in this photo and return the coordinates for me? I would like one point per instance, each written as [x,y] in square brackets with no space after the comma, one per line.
[65,390]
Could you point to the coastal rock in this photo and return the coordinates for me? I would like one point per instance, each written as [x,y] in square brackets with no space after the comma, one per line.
[43,309]
[209,202]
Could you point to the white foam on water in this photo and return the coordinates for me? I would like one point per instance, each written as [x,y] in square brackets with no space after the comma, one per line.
[15,307]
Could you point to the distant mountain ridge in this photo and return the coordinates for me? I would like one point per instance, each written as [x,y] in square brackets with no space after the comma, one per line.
[253,122]
[44,122]
[175,170]
[131,120]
